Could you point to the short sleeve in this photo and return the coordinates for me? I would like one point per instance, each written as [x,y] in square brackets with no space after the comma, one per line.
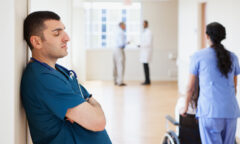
[58,96]
[194,65]
[85,93]
[236,65]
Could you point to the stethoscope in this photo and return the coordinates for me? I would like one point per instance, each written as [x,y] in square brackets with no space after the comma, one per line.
[71,73]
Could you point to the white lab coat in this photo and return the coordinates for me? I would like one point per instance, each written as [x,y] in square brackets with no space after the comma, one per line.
[146,46]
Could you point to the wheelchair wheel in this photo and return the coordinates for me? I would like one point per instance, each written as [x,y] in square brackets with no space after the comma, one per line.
[170,138]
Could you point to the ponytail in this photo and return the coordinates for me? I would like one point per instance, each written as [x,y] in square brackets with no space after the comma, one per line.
[217,33]
[224,62]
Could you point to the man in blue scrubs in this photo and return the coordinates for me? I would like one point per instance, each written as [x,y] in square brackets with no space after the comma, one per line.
[58,109]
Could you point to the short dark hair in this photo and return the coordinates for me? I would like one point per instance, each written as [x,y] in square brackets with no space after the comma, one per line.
[34,24]
[146,22]
[121,23]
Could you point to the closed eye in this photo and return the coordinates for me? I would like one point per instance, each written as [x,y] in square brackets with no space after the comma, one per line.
[57,31]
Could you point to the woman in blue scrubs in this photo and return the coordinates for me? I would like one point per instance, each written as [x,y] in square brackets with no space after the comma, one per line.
[217,70]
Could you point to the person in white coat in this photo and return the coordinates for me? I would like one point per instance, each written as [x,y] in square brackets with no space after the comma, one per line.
[119,55]
[146,51]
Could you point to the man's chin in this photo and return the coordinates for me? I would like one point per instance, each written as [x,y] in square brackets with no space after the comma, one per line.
[63,55]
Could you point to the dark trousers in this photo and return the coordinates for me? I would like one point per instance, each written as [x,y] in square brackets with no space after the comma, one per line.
[146,73]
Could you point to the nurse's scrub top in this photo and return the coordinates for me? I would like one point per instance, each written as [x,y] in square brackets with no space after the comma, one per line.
[217,98]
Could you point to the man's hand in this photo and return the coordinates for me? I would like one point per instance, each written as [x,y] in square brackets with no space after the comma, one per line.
[71,121]
[93,102]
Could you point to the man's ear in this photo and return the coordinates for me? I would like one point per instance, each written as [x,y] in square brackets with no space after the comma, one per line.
[36,42]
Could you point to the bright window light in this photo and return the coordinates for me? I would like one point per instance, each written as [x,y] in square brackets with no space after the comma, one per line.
[102,19]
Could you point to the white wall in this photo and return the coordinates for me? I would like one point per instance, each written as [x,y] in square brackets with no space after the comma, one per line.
[20,62]
[162,17]
[78,40]
[187,39]
[226,12]
[12,61]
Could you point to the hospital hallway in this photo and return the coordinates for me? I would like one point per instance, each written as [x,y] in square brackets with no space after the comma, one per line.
[135,114]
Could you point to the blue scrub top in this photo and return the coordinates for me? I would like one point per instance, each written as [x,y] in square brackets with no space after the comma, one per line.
[217,98]
[46,95]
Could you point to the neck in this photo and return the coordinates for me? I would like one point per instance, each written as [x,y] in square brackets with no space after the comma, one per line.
[50,62]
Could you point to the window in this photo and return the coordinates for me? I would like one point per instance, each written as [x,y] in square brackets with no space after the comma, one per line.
[102,19]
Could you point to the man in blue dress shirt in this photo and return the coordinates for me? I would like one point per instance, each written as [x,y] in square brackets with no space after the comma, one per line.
[119,55]
[58,109]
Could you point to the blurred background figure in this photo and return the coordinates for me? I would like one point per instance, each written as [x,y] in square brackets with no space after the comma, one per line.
[119,55]
[146,47]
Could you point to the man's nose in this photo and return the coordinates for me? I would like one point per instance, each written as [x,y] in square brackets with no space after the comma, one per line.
[66,38]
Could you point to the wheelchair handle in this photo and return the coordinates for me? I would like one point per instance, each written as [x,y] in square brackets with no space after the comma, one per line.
[172,120]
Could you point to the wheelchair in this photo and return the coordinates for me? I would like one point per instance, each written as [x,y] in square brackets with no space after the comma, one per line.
[188,131]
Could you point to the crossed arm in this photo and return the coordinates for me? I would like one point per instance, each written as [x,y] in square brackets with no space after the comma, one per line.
[88,114]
